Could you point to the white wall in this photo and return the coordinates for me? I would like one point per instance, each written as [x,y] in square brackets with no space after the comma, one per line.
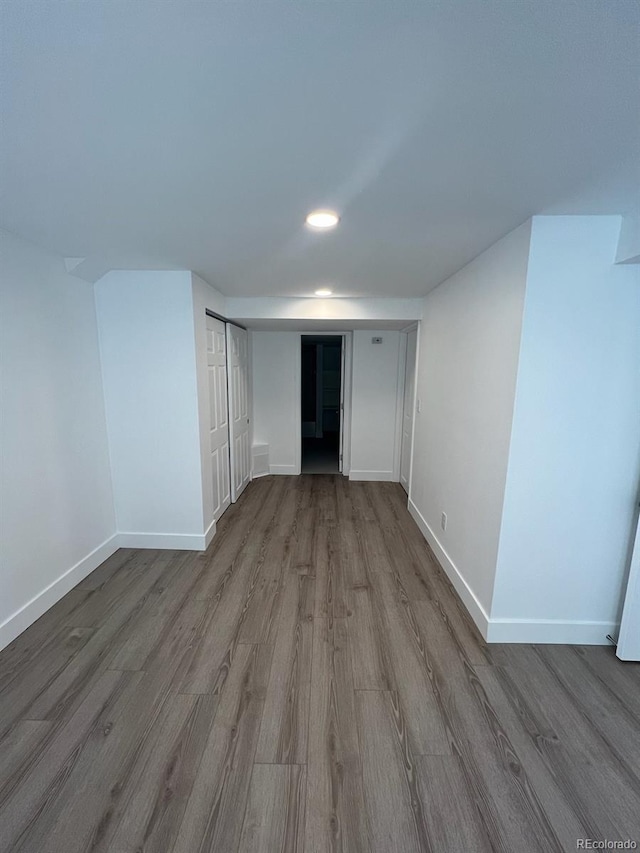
[147,342]
[377,384]
[467,366]
[276,397]
[205,298]
[56,507]
[574,465]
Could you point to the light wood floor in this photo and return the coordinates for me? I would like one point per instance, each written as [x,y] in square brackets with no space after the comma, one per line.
[310,683]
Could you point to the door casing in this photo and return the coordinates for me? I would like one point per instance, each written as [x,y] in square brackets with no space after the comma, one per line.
[345,392]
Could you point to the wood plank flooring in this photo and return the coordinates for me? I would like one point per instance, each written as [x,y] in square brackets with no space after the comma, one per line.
[310,683]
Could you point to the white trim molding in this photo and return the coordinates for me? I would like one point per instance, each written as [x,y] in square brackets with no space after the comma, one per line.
[50,595]
[171,541]
[210,532]
[579,633]
[19,621]
[469,599]
[372,476]
[287,470]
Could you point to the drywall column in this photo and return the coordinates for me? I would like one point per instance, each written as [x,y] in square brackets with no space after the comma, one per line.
[574,464]
[148,352]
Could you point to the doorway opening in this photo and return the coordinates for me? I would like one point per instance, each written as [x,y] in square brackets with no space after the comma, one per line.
[321,402]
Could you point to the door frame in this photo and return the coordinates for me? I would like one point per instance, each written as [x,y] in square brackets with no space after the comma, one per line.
[414,326]
[225,503]
[397,438]
[230,402]
[204,435]
[347,354]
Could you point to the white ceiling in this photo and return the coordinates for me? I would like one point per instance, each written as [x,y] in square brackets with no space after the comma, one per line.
[197,135]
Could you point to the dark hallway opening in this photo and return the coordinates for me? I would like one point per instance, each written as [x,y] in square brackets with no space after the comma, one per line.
[321,387]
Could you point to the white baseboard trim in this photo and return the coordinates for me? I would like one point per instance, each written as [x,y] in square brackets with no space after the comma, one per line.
[288,470]
[209,534]
[40,603]
[371,476]
[261,474]
[577,633]
[550,631]
[170,541]
[469,599]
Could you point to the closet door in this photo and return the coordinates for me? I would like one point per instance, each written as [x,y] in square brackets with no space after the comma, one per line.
[218,415]
[238,365]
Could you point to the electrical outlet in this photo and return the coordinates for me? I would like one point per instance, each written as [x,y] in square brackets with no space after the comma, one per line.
[443,521]
[418,405]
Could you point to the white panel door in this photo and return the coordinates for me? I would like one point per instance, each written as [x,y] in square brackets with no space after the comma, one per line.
[408,409]
[218,415]
[238,365]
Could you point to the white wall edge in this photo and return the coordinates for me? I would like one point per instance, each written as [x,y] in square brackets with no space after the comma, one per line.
[469,599]
[171,541]
[400,380]
[291,470]
[50,595]
[550,631]
[628,637]
[374,476]
[416,326]
[262,474]
[209,534]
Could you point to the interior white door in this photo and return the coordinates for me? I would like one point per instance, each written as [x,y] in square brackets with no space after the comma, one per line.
[239,420]
[218,416]
[629,636]
[408,409]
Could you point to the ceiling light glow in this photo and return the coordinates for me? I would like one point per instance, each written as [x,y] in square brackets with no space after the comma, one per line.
[323,291]
[322,219]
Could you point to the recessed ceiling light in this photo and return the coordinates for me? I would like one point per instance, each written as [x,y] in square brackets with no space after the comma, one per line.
[322,219]
[323,291]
